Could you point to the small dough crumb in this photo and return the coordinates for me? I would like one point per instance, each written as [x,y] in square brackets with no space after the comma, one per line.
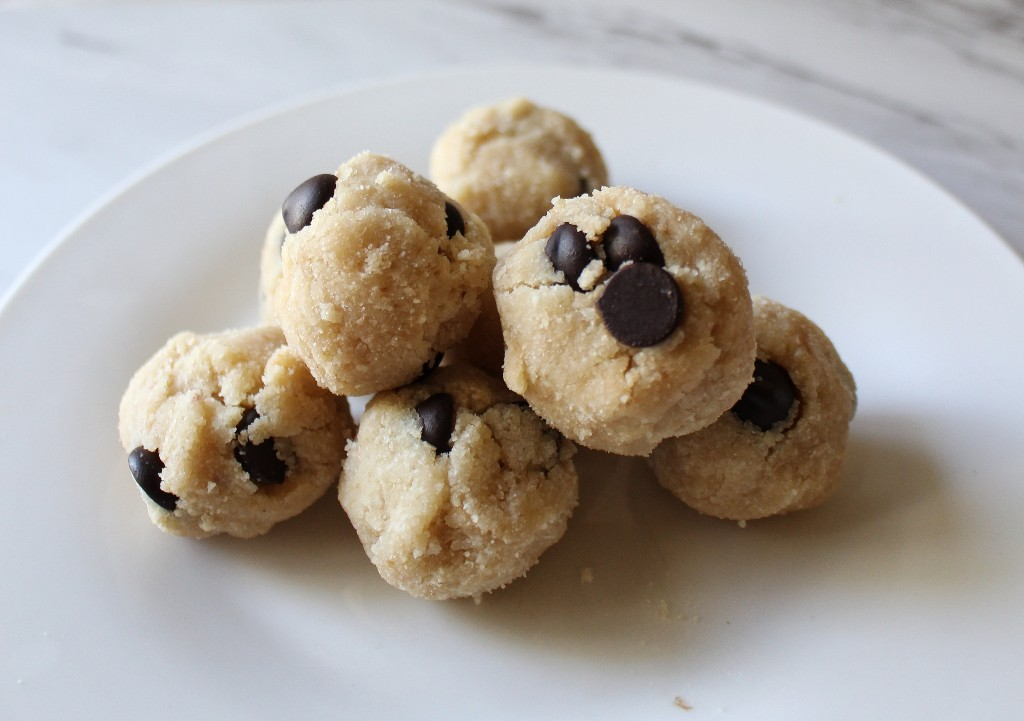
[681,703]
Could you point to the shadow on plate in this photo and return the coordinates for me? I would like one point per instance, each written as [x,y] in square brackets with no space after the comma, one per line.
[641,573]
[640,578]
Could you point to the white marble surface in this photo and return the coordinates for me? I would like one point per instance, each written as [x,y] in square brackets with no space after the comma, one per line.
[91,93]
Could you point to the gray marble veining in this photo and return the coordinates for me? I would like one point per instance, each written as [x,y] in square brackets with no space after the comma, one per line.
[940,85]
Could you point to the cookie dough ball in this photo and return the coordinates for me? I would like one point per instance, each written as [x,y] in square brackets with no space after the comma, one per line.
[626,321]
[380,272]
[484,347]
[455,486]
[270,267]
[506,162]
[229,433]
[781,448]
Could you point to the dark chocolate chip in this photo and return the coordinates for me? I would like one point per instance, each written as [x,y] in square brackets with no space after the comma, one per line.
[628,239]
[309,197]
[569,252]
[146,466]
[249,416]
[259,460]
[431,365]
[437,413]
[584,186]
[641,305]
[769,397]
[453,218]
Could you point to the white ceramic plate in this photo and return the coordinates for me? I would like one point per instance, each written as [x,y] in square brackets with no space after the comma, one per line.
[901,598]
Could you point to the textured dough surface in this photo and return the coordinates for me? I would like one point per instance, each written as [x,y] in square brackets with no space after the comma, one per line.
[733,469]
[373,288]
[598,392]
[186,401]
[505,162]
[468,521]
[484,347]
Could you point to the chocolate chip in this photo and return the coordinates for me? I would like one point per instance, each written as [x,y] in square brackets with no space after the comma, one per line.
[259,460]
[431,365]
[437,413]
[628,239]
[584,186]
[146,466]
[249,416]
[453,218]
[641,305]
[769,397]
[569,253]
[309,197]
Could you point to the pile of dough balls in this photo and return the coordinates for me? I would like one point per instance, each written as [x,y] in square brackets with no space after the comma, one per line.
[497,315]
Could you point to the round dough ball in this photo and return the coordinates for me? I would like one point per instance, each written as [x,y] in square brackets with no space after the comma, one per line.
[270,267]
[469,509]
[505,162]
[735,469]
[380,273]
[229,433]
[645,332]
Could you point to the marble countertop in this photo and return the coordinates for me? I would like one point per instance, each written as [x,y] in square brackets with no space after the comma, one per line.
[92,93]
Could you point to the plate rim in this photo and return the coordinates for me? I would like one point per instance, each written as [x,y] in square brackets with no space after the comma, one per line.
[200,142]
[195,143]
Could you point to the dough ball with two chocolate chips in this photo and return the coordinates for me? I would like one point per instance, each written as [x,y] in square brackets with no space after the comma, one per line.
[505,162]
[626,320]
[229,433]
[455,486]
[380,272]
[781,447]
